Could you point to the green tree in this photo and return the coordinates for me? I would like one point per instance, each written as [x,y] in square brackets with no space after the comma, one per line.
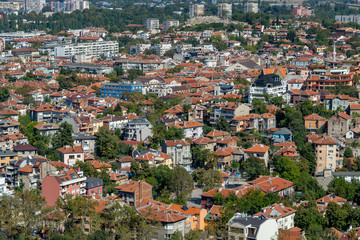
[134,73]
[4,94]
[348,153]
[253,167]
[223,125]
[181,182]
[308,215]
[337,216]
[64,136]
[207,179]
[259,106]
[107,144]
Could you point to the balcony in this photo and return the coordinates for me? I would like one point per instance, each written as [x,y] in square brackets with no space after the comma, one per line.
[82,185]
[82,191]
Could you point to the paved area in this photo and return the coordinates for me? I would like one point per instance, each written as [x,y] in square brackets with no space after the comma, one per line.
[324,182]
[195,199]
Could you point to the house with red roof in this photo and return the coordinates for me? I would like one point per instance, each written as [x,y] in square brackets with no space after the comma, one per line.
[192,129]
[259,151]
[179,150]
[283,215]
[323,202]
[207,198]
[274,185]
[134,193]
[71,154]
[314,122]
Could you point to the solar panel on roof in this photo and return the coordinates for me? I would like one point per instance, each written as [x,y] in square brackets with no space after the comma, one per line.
[185,208]
[73,175]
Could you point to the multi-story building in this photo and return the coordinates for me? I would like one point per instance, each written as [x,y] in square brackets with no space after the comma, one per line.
[284,216]
[46,129]
[348,18]
[152,23]
[117,89]
[251,7]
[88,49]
[300,12]
[229,111]
[33,6]
[71,154]
[326,155]
[270,84]
[140,64]
[336,102]
[322,79]
[274,185]
[339,124]
[170,23]
[196,10]
[42,113]
[260,151]
[314,122]
[94,186]
[180,150]
[69,5]
[225,10]
[242,226]
[4,190]
[138,129]
[62,183]
[192,129]
[171,221]
[9,126]
[134,193]
[86,141]
[7,156]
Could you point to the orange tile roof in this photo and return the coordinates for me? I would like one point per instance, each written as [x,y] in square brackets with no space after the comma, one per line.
[271,184]
[257,148]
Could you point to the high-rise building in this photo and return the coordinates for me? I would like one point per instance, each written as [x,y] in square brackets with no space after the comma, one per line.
[225,10]
[170,23]
[33,6]
[251,7]
[152,23]
[196,10]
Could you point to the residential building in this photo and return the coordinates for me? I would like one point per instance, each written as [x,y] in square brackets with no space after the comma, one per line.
[242,226]
[283,215]
[179,150]
[217,135]
[138,129]
[348,18]
[140,64]
[46,129]
[270,84]
[197,215]
[251,7]
[339,124]
[4,190]
[134,193]
[62,183]
[229,111]
[338,102]
[170,23]
[207,198]
[88,50]
[225,10]
[348,176]
[9,126]
[171,221]
[25,150]
[151,23]
[300,12]
[154,158]
[323,202]
[42,113]
[71,154]
[326,155]
[86,141]
[197,113]
[94,186]
[192,129]
[7,156]
[196,10]
[260,151]
[281,135]
[322,79]
[354,108]
[117,89]
[314,122]
[275,185]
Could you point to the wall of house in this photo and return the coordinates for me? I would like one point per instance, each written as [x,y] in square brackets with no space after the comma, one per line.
[50,190]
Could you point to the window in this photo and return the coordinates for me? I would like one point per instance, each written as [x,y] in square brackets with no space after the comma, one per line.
[309,125]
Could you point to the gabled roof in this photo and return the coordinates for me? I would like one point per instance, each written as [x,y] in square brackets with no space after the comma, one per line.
[271,184]
[314,117]
[70,149]
[257,148]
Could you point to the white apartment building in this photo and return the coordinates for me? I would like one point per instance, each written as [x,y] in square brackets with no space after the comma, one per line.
[196,10]
[284,216]
[152,23]
[3,188]
[171,23]
[267,84]
[225,10]
[251,7]
[89,49]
